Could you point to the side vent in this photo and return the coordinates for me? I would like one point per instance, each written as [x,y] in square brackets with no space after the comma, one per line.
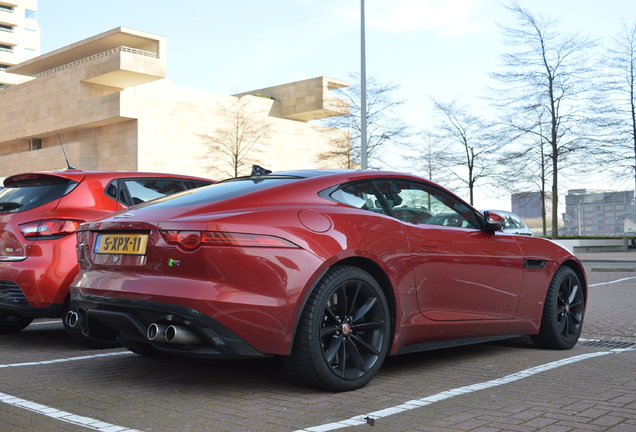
[534,264]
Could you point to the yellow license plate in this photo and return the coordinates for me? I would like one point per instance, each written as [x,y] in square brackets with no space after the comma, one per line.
[131,244]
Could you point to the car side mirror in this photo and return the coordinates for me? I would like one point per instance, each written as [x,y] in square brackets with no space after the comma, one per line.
[493,222]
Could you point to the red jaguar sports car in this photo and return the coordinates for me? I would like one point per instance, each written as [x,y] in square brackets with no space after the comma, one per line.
[330,270]
[39,213]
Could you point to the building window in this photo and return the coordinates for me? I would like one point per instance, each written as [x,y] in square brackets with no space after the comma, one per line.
[35,144]
[5,47]
[6,8]
[29,14]
[4,66]
[6,28]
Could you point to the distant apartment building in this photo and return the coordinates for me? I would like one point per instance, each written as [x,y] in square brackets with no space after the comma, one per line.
[528,205]
[19,35]
[597,212]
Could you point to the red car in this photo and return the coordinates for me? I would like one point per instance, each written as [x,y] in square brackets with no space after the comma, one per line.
[331,270]
[39,214]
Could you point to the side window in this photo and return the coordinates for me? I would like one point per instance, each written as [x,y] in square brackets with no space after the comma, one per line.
[516,222]
[420,203]
[136,191]
[142,190]
[362,195]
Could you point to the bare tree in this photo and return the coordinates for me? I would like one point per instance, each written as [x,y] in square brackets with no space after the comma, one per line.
[430,156]
[340,153]
[527,166]
[232,145]
[384,124]
[548,72]
[468,143]
[620,92]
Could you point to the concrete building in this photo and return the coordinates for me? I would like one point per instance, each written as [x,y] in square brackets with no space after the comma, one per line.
[528,205]
[19,35]
[108,101]
[597,212]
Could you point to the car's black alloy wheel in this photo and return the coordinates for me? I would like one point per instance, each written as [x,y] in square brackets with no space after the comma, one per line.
[344,332]
[563,311]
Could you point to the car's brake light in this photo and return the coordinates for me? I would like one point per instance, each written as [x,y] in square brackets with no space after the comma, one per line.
[191,240]
[49,229]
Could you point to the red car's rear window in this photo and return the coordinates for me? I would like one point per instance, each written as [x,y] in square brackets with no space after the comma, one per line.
[31,193]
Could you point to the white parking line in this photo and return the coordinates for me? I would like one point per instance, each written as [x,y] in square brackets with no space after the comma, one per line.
[45,322]
[64,416]
[64,360]
[614,281]
[418,403]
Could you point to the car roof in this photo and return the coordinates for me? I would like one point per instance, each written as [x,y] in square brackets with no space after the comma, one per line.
[348,174]
[78,175]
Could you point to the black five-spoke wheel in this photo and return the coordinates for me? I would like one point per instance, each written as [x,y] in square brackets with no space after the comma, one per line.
[344,332]
[563,311]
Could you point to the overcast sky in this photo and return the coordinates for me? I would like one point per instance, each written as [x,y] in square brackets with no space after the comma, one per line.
[441,48]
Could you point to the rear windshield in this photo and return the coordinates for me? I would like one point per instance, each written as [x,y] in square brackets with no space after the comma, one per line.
[220,191]
[29,194]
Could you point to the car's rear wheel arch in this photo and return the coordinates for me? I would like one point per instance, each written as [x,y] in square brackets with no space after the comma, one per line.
[370,267]
[380,276]
[345,329]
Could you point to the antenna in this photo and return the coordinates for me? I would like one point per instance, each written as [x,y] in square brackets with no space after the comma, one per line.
[68,165]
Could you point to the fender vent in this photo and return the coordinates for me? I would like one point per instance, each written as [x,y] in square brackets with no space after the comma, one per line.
[534,264]
[607,344]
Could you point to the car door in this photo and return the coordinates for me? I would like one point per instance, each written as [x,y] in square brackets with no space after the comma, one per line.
[461,272]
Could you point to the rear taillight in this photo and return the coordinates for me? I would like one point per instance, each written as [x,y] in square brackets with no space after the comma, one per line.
[49,229]
[190,240]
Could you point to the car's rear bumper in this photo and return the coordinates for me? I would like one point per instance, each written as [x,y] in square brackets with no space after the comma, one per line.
[43,278]
[109,318]
[14,302]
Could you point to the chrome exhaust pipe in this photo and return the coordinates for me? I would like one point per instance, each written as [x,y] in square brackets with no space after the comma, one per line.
[75,320]
[181,335]
[156,332]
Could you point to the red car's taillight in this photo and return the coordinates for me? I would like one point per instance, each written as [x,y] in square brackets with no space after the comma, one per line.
[49,229]
[190,240]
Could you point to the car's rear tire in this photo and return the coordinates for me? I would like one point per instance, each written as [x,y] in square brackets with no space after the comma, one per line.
[343,333]
[13,323]
[563,312]
[77,335]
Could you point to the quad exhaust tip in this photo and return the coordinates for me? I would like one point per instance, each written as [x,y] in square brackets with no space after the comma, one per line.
[156,332]
[172,334]
[75,320]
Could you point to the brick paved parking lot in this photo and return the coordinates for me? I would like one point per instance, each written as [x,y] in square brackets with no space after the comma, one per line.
[49,384]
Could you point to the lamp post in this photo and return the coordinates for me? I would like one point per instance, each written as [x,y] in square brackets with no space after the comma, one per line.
[363,93]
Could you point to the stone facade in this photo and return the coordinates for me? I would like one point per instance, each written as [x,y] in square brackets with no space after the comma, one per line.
[108,101]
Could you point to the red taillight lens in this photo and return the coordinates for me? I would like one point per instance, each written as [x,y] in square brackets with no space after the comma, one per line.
[188,240]
[49,229]
[191,240]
